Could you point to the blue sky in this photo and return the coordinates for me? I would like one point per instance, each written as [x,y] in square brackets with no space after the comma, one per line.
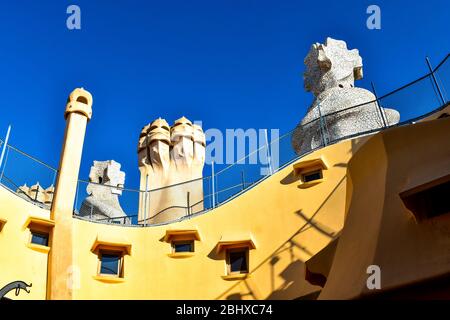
[231,64]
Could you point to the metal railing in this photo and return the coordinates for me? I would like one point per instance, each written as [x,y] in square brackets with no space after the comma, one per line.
[27,176]
[414,101]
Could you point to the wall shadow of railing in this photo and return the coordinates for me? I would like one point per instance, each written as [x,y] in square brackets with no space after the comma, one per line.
[296,266]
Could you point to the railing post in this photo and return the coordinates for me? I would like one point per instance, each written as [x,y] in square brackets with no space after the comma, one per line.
[55,172]
[4,165]
[242,179]
[146,200]
[5,144]
[435,81]
[149,195]
[268,152]
[212,185]
[54,177]
[324,140]
[76,198]
[188,205]
[378,105]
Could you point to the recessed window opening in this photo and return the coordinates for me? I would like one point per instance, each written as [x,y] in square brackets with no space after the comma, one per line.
[40,238]
[429,203]
[311,176]
[111,263]
[237,260]
[183,246]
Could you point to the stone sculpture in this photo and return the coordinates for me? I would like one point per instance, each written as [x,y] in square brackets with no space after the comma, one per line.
[104,189]
[169,156]
[331,70]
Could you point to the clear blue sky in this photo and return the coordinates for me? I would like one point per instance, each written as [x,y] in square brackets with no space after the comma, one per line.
[231,64]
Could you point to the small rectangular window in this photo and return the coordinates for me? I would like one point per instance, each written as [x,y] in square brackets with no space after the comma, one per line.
[237,261]
[111,263]
[183,246]
[39,238]
[311,176]
[428,203]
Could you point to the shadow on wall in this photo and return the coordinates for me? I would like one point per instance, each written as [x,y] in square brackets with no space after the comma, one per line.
[291,285]
[240,296]
[317,226]
[385,230]
[293,281]
[293,276]
[290,178]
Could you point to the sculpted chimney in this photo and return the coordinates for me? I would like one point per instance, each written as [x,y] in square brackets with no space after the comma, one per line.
[170,156]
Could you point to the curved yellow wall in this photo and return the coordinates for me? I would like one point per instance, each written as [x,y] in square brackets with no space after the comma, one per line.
[288,224]
[17,260]
[379,229]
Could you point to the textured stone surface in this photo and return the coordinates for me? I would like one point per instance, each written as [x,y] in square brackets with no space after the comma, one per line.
[169,156]
[331,70]
[103,201]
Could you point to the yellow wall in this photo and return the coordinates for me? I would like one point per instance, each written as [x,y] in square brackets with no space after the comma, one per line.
[17,260]
[288,224]
[379,229]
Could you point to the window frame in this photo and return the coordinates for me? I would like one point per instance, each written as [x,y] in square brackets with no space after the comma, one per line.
[246,252]
[40,232]
[120,267]
[175,242]
[311,172]
[418,199]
